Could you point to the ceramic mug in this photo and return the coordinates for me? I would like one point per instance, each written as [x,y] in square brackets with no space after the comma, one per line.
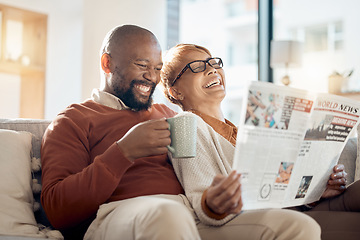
[183,135]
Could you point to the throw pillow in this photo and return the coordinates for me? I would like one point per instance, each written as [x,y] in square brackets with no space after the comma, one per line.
[16,196]
[357,166]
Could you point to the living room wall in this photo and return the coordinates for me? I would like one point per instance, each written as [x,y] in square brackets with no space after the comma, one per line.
[101,16]
[75,32]
[64,50]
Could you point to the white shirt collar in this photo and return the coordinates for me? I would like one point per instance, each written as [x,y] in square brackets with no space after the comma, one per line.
[107,99]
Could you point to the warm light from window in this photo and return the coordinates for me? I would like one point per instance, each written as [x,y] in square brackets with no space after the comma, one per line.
[14,36]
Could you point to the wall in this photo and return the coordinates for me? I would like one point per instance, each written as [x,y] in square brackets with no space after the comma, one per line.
[76,29]
[9,95]
[64,51]
[101,16]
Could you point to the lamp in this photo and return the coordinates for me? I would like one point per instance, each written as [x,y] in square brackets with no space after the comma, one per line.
[285,53]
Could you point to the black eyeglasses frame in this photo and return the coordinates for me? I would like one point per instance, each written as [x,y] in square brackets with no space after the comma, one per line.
[207,61]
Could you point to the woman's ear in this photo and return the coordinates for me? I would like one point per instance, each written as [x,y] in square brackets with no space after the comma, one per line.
[105,63]
[176,94]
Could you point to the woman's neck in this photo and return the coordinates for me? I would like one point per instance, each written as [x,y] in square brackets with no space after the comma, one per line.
[213,111]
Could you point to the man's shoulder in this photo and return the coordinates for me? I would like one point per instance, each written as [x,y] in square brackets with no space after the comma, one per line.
[86,106]
[163,109]
[79,111]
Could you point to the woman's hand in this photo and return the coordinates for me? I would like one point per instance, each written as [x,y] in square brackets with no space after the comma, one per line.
[224,194]
[337,182]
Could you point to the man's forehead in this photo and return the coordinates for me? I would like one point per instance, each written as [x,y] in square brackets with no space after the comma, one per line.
[148,59]
[134,42]
[146,52]
[134,38]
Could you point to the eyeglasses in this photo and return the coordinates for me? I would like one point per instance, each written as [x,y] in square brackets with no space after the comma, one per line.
[200,66]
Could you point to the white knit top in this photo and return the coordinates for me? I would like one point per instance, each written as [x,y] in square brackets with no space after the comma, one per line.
[214,155]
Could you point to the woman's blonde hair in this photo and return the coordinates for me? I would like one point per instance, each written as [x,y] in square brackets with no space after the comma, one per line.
[171,66]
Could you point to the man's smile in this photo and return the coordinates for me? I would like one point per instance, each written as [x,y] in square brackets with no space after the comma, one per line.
[144,90]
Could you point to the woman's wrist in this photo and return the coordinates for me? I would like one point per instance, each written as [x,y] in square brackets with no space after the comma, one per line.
[207,210]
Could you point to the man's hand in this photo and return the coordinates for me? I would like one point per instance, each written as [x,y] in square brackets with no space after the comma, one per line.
[145,139]
[336,183]
[224,194]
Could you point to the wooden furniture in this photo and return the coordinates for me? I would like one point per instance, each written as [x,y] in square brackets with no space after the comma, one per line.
[31,64]
[352,95]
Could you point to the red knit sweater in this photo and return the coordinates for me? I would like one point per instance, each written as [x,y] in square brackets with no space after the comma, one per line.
[82,166]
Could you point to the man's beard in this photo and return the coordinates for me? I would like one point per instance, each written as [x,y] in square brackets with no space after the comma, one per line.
[130,100]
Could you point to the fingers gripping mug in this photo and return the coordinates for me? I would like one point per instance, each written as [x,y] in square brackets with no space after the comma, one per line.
[183,135]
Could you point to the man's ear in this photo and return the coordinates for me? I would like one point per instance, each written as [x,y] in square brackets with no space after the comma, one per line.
[175,93]
[105,63]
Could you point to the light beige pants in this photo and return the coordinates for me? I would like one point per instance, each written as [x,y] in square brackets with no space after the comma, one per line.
[167,217]
[264,224]
[157,217]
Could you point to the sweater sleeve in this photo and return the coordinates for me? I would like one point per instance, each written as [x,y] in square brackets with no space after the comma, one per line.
[74,186]
[214,155]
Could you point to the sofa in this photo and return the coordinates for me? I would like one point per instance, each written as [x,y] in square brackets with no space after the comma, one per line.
[35,225]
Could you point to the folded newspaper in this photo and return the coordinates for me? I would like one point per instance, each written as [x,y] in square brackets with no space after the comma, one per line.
[288,142]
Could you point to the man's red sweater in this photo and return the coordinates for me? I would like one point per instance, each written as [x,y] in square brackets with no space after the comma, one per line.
[82,166]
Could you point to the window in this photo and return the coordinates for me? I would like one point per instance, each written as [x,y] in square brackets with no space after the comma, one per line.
[316,39]
[229,30]
[329,37]
[323,37]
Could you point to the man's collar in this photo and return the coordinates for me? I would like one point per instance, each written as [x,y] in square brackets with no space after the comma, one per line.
[107,99]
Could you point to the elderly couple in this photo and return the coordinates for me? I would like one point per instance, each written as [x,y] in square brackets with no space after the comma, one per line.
[106,170]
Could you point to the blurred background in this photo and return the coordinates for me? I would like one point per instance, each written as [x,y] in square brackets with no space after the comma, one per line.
[49,50]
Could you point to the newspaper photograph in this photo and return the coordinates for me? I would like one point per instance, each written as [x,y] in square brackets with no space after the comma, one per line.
[288,142]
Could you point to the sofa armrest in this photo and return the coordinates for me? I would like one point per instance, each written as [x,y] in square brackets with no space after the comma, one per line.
[2,237]
[348,158]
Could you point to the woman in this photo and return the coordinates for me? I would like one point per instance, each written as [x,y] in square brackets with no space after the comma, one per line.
[202,96]
[195,81]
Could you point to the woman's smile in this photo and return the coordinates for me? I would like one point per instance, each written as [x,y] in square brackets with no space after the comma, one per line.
[212,83]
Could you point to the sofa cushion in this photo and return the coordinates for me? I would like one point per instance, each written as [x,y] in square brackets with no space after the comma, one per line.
[348,158]
[16,196]
[37,128]
[357,167]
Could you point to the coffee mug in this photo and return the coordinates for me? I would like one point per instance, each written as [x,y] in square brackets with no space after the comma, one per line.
[183,136]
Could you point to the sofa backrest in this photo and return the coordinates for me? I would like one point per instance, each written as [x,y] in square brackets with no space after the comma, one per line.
[37,127]
[348,158]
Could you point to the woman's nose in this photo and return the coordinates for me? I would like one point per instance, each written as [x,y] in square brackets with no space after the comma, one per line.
[210,69]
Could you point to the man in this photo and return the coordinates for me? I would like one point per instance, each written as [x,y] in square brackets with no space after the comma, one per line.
[104,161]
[89,151]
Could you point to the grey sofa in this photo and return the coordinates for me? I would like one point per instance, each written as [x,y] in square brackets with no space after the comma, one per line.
[37,128]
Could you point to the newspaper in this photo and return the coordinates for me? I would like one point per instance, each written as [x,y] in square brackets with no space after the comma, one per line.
[288,142]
